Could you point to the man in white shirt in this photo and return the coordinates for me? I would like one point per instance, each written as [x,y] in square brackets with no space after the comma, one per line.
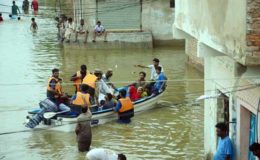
[153,66]
[104,154]
[70,28]
[81,29]
[99,31]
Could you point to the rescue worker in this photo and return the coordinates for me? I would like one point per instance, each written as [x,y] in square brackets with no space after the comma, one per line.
[91,80]
[54,101]
[80,99]
[78,77]
[124,107]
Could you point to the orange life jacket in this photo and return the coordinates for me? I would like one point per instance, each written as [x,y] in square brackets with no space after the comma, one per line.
[80,99]
[78,81]
[58,87]
[90,80]
[126,104]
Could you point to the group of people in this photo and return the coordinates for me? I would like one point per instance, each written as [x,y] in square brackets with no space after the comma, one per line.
[34,6]
[96,88]
[66,27]
[15,9]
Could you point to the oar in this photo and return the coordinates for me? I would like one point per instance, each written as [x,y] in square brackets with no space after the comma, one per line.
[49,115]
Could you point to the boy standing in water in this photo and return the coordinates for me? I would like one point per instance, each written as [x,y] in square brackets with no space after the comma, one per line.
[34,26]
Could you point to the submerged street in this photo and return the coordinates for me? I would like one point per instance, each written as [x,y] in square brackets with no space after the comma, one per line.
[173,129]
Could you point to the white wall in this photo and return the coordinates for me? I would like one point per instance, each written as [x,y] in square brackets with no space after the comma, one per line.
[220,24]
[158,17]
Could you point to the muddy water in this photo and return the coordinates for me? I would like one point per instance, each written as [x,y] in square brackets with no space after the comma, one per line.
[168,132]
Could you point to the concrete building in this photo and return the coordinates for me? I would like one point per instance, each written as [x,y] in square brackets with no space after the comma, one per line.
[130,17]
[224,37]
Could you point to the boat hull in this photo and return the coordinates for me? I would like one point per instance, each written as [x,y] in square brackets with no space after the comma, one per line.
[66,124]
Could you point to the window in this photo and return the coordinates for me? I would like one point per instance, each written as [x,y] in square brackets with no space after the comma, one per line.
[172,3]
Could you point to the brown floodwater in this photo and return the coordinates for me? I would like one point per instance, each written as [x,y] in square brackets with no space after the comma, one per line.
[173,130]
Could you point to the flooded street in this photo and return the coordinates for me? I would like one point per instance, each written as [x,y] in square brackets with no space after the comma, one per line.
[173,130]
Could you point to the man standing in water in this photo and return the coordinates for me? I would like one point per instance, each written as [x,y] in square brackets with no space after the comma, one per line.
[35,6]
[15,9]
[25,6]
[224,150]
[124,107]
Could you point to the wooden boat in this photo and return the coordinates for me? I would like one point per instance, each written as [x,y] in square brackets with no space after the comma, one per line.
[67,122]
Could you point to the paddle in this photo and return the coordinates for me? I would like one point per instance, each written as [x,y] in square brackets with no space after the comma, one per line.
[49,115]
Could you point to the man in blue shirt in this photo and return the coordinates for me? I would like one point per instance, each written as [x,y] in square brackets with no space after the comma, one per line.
[160,81]
[224,149]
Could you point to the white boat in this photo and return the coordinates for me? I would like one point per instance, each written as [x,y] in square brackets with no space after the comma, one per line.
[67,122]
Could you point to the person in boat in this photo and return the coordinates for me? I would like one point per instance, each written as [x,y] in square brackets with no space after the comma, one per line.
[103,88]
[81,29]
[80,99]
[141,92]
[132,93]
[124,107]
[110,102]
[104,154]
[160,81]
[156,63]
[78,77]
[107,76]
[54,100]
[91,80]
[83,129]
[34,26]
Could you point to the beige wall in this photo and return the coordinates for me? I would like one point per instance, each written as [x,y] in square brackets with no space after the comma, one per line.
[219,24]
[158,17]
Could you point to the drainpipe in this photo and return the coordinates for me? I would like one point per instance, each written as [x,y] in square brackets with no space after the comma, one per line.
[141,12]
[96,11]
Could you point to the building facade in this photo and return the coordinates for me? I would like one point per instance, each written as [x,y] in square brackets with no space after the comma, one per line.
[224,37]
[154,16]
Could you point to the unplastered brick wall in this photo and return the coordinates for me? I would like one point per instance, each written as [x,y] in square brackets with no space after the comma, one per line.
[253,27]
[191,51]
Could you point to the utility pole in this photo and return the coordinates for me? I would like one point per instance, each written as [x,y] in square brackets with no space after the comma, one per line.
[141,12]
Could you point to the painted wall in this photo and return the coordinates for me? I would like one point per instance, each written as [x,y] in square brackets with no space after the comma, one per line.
[219,24]
[158,17]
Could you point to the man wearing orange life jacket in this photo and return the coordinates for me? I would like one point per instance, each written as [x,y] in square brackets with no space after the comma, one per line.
[54,90]
[78,77]
[53,102]
[81,99]
[125,108]
[91,80]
